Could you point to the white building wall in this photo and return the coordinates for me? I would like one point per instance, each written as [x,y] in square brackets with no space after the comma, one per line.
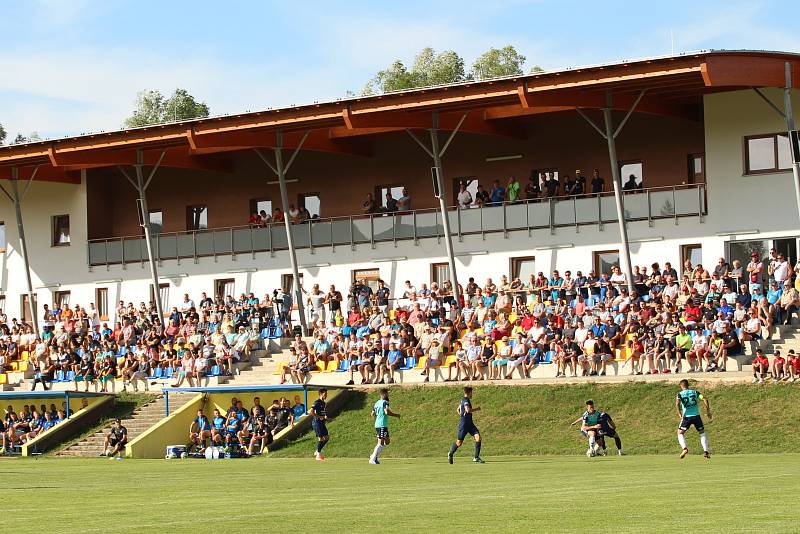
[735,202]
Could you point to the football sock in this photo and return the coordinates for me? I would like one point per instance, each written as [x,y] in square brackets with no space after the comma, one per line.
[682,440]
[453,449]
[704,441]
[319,446]
[618,442]
[477,449]
[591,442]
[377,451]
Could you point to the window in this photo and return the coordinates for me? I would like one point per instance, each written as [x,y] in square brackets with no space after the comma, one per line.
[197,217]
[224,287]
[257,205]
[380,193]
[163,290]
[693,253]
[472,186]
[61,230]
[156,220]
[604,260]
[2,236]
[101,298]
[631,175]
[697,168]
[523,268]
[767,153]
[311,202]
[287,282]
[439,273]
[26,309]
[370,276]
[61,299]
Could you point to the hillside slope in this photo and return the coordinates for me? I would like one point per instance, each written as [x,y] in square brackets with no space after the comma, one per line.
[526,420]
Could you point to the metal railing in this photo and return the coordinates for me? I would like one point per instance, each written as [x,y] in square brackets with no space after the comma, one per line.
[650,204]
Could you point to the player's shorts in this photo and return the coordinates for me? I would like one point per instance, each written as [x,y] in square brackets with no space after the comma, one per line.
[320,429]
[382,432]
[585,433]
[610,432]
[470,429]
[687,422]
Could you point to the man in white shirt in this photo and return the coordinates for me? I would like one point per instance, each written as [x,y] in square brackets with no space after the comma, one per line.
[187,303]
[779,269]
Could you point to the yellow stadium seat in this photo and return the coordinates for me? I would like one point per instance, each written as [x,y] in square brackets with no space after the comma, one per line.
[331,367]
[320,366]
[14,366]
[3,378]
[25,354]
[450,360]
[23,365]
[421,362]
[622,354]
[279,370]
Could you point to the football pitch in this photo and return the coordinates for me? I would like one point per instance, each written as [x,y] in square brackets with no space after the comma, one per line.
[733,493]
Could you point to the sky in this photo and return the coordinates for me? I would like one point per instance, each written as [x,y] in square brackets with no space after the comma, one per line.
[69,67]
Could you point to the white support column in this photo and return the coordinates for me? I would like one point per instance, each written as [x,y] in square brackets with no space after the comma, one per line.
[16,199]
[790,126]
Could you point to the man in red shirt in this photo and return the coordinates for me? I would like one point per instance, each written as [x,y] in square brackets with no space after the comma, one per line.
[760,367]
[778,366]
[793,367]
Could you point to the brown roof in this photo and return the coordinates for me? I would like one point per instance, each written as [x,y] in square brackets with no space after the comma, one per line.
[672,85]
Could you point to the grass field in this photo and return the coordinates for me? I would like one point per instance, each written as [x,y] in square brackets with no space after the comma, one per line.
[734,493]
[534,420]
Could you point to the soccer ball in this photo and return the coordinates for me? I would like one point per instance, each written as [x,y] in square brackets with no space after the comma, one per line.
[184,455]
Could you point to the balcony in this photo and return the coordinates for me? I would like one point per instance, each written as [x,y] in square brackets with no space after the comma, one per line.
[594,210]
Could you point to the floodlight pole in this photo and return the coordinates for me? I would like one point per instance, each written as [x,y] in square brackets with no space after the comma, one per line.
[280,169]
[436,154]
[144,216]
[16,198]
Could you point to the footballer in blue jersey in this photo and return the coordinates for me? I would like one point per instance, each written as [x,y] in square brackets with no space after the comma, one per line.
[318,423]
[466,426]
[199,431]
[217,428]
[381,412]
[687,403]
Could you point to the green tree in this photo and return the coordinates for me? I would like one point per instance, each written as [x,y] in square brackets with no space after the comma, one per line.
[497,62]
[3,134]
[429,68]
[153,108]
[20,139]
[536,69]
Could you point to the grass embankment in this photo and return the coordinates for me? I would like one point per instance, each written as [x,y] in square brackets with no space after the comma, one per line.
[533,420]
[125,405]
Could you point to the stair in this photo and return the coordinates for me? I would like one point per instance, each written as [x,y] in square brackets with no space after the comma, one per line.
[137,422]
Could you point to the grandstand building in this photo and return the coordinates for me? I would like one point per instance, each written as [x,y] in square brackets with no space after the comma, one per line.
[700,143]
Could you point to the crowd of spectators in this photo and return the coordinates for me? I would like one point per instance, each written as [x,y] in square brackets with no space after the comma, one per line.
[578,322]
[17,428]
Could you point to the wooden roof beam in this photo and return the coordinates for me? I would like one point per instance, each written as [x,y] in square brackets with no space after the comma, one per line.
[582,99]
[178,157]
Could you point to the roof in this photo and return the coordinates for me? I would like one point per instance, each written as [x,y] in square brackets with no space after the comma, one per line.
[250,389]
[49,394]
[669,86]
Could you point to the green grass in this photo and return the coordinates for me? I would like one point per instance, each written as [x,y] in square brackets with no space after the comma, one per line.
[126,403]
[508,494]
[534,420]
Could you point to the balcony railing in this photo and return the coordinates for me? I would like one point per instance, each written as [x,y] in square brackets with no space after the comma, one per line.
[541,214]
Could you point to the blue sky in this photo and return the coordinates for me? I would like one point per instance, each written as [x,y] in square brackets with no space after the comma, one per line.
[74,66]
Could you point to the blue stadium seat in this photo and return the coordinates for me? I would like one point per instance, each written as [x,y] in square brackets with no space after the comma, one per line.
[411,362]
[548,357]
[344,365]
[70,376]
[168,372]
[215,370]
[59,376]
[591,301]
[706,332]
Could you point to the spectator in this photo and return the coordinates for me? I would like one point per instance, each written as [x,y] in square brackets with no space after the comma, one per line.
[598,183]
[512,189]
[404,202]
[630,184]
[532,189]
[368,206]
[482,197]
[464,197]
[580,183]
[498,194]
[115,440]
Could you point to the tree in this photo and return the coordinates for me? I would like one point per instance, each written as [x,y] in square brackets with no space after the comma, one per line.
[497,62]
[536,69]
[3,134]
[20,139]
[429,68]
[153,108]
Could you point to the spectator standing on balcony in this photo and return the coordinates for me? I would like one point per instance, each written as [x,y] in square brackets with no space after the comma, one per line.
[580,183]
[264,218]
[294,214]
[404,202]
[569,185]
[532,188]
[630,185]
[368,206]
[721,269]
[550,186]
[598,183]
[316,299]
[481,196]
[779,269]
[278,216]
[382,298]
[187,304]
[254,219]
[512,189]
[498,194]
[464,197]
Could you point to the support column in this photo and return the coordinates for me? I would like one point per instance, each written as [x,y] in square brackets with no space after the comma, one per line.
[280,169]
[16,199]
[141,188]
[448,237]
[615,178]
[281,172]
[787,108]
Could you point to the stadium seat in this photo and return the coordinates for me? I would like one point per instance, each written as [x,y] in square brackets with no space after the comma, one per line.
[214,370]
[168,372]
[59,376]
[344,365]
[452,359]
[70,376]
[411,363]
[3,378]
[157,372]
[548,357]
